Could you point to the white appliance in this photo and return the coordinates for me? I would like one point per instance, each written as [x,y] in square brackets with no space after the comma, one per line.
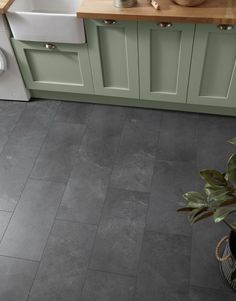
[11,83]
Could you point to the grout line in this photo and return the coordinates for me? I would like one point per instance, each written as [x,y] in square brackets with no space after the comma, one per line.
[44,249]
[228,292]
[7,211]
[55,218]
[167,233]
[19,258]
[102,209]
[75,222]
[26,181]
[128,190]
[47,180]
[147,210]
[176,161]
[44,141]
[112,273]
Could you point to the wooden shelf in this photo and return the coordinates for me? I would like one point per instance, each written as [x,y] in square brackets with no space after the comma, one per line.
[212,11]
[4,5]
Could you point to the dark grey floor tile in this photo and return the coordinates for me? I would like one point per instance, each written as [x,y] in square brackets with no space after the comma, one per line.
[63,268]
[102,136]
[170,181]
[16,278]
[100,286]
[120,233]
[32,220]
[147,117]
[177,137]
[4,220]
[134,164]
[33,124]
[205,270]
[85,193]
[46,110]
[200,294]
[164,293]
[213,134]
[164,266]
[10,113]
[21,150]
[73,112]
[59,152]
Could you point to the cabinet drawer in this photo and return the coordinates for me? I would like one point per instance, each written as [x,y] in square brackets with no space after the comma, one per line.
[213,75]
[54,67]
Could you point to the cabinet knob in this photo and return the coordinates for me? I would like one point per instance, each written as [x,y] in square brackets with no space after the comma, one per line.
[165,25]
[50,46]
[225,27]
[109,22]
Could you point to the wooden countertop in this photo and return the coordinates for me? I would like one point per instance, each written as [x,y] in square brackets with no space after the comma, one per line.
[212,11]
[4,5]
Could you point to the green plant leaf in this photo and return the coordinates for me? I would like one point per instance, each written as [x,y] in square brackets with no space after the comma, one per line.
[233,276]
[229,202]
[202,216]
[221,213]
[216,195]
[185,209]
[195,213]
[194,199]
[217,191]
[231,169]
[213,177]
[232,141]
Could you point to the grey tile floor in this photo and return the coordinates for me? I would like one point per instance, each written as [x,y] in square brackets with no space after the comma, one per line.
[88,199]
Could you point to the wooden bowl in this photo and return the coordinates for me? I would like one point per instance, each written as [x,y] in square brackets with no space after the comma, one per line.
[189,2]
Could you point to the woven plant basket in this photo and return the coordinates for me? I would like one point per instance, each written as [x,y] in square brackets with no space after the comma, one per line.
[228,261]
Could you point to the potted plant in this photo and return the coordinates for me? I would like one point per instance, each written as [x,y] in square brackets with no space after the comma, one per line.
[218,200]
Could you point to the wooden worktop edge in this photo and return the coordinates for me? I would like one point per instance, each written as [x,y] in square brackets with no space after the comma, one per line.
[4,5]
[177,19]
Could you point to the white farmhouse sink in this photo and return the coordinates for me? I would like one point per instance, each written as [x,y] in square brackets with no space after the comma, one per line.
[46,21]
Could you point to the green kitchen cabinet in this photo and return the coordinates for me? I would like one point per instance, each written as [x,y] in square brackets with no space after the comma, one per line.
[213,74]
[55,67]
[114,57]
[164,60]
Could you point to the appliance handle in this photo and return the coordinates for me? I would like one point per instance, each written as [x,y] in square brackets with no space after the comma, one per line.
[3,62]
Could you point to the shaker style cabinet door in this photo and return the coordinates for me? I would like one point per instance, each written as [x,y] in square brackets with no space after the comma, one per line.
[114,57]
[164,60]
[213,75]
[55,67]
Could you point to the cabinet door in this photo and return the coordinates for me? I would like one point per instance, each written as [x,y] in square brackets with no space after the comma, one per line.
[114,57]
[63,68]
[213,75]
[164,60]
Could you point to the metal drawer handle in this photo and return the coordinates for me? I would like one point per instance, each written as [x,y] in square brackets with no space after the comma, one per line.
[50,46]
[165,25]
[225,27]
[109,22]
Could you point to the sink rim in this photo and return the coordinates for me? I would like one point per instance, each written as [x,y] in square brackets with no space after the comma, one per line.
[41,13]
[45,7]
